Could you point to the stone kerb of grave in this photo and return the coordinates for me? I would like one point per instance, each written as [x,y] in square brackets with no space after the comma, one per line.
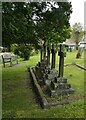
[56,83]
[48,77]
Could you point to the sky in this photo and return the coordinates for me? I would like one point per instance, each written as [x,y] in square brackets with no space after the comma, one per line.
[78,12]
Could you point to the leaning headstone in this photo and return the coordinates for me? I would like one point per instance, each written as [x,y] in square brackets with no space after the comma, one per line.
[62,54]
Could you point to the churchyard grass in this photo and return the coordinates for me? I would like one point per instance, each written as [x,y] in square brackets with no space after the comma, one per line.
[19,100]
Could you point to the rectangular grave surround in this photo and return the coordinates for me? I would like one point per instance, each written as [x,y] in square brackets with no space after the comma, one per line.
[51,87]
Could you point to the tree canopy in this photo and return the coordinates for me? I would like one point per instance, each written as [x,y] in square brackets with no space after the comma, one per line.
[77,33]
[27,22]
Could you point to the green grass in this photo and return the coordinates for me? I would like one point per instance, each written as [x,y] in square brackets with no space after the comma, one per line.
[19,100]
[71,58]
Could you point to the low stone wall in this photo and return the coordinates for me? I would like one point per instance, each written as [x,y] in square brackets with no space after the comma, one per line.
[39,92]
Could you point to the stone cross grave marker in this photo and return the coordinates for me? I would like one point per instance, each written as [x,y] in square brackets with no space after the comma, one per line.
[53,56]
[62,54]
[44,47]
[48,54]
[41,54]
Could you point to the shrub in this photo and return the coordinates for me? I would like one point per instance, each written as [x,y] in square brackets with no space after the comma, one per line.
[23,50]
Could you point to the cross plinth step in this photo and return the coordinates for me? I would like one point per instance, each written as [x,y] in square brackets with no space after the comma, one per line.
[60,86]
[61,92]
[60,80]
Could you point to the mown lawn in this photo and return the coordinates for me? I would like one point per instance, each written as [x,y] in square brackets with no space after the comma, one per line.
[19,100]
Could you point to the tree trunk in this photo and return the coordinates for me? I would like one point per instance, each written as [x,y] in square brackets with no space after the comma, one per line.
[76,45]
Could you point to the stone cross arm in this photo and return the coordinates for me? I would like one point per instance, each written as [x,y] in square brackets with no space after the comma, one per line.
[61,53]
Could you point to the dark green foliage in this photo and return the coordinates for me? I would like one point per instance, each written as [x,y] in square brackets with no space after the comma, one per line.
[14,47]
[53,25]
[26,23]
[17,25]
[23,50]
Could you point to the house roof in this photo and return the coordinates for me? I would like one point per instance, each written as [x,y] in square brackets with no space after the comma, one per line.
[70,42]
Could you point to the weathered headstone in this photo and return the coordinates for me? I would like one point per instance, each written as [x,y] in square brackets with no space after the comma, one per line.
[53,56]
[62,54]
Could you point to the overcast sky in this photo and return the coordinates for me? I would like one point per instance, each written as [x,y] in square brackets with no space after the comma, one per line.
[78,11]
